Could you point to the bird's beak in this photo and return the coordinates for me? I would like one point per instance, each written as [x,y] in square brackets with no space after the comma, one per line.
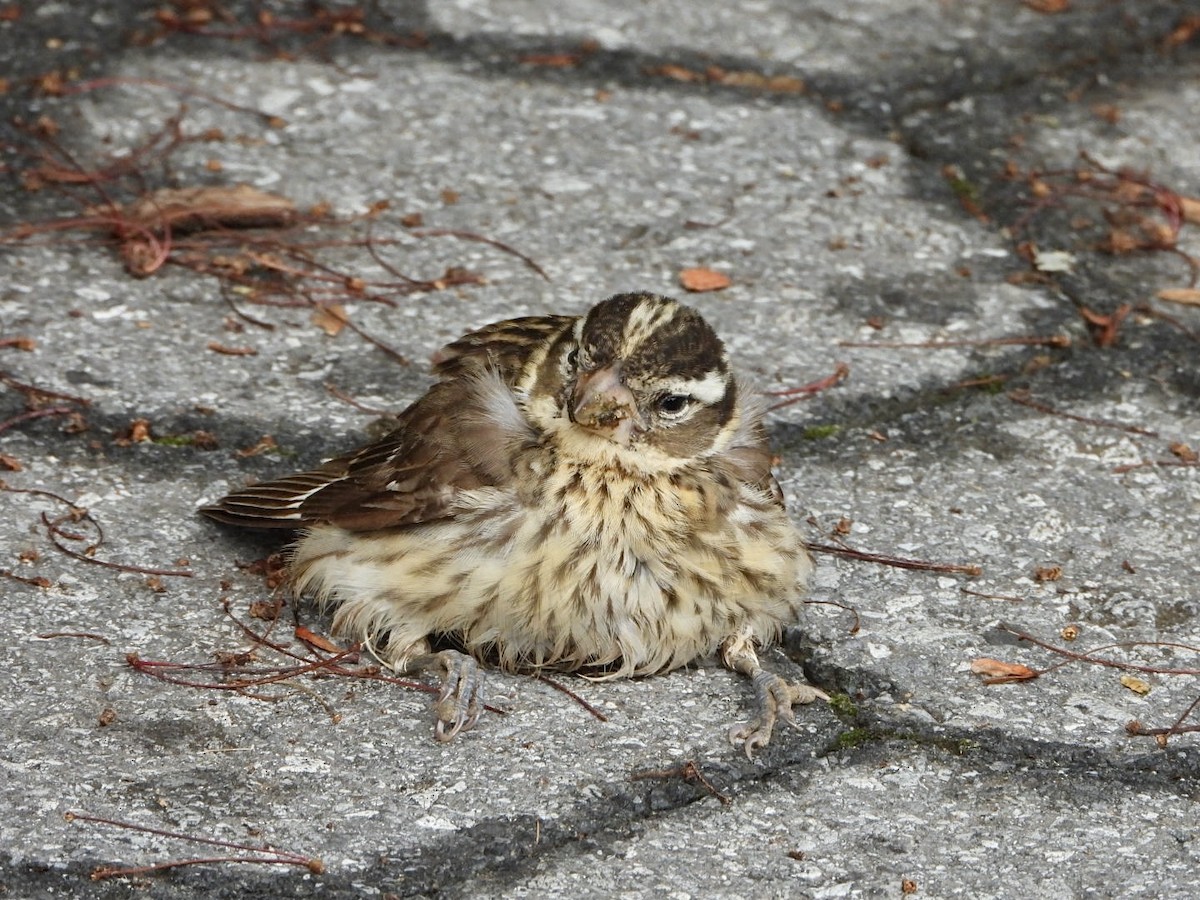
[603,404]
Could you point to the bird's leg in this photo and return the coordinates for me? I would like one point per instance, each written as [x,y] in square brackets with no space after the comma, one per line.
[460,700]
[773,694]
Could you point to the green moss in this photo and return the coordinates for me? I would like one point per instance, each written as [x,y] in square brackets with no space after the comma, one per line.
[820,432]
[856,737]
[963,188]
[174,440]
[842,706]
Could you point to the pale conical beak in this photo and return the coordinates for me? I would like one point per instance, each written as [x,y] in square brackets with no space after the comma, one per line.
[603,404]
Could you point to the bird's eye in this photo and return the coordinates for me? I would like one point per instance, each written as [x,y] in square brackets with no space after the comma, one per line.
[573,358]
[673,404]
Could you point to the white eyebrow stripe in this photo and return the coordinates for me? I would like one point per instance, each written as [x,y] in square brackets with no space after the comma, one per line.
[708,390]
[644,319]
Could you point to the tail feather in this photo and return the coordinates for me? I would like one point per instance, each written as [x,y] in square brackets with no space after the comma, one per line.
[272,504]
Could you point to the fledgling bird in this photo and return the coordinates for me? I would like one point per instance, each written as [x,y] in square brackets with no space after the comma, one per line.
[588,493]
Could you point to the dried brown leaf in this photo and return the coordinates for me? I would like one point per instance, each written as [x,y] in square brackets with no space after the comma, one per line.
[1187,296]
[677,73]
[315,640]
[265,444]
[10,463]
[1184,452]
[700,281]
[1048,573]
[1048,7]
[1135,684]
[330,318]
[225,350]
[200,208]
[997,672]
[267,610]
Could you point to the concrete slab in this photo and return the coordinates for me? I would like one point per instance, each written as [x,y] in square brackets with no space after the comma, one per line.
[602,143]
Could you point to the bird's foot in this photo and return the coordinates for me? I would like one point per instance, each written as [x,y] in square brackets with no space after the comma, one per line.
[774,697]
[460,702]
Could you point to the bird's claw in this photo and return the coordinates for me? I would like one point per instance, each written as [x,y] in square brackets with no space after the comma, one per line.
[775,698]
[461,699]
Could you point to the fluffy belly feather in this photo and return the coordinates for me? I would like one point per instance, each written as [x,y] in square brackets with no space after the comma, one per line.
[625,575]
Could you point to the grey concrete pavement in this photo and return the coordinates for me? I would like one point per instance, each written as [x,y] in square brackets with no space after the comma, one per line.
[615,147]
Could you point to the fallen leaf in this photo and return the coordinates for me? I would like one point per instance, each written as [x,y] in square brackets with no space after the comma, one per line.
[265,444]
[1188,296]
[267,610]
[1182,33]
[1135,684]
[1184,452]
[700,281]
[231,351]
[10,463]
[676,73]
[315,640]
[997,672]
[1048,7]
[1048,573]
[1190,208]
[330,318]
[21,342]
[200,208]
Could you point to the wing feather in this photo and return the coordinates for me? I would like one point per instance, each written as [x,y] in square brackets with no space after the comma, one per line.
[461,435]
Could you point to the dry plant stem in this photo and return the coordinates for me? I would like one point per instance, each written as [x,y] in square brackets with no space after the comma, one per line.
[689,771]
[337,392]
[38,581]
[32,414]
[570,693]
[1006,597]
[1147,310]
[1023,398]
[155,668]
[323,666]
[1177,727]
[75,634]
[34,393]
[185,90]
[1161,463]
[1088,656]
[268,855]
[841,373]
[482,239]
[898,562]
[850,609]
[53,531]
[1053,340]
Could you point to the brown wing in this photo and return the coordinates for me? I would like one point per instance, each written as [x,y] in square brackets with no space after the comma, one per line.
[501,345]
[461,435]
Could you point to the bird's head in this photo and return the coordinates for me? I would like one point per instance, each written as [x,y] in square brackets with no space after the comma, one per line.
[644,373]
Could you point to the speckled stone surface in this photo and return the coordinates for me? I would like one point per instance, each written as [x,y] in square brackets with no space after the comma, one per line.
[614,146]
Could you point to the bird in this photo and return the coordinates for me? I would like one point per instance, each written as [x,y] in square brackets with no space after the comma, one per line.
[586,493]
